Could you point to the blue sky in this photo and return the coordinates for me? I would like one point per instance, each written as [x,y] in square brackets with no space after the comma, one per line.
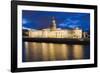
[64,20]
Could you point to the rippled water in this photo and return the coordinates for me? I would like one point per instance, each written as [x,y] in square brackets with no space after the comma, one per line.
[33,51]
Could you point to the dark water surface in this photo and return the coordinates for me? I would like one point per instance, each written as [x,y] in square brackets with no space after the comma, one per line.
[33,51]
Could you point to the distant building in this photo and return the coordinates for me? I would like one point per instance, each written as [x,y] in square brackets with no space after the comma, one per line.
[86,35]
[25,32]
[54,32]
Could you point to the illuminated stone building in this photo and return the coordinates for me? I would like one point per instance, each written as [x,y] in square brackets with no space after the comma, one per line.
[54,32]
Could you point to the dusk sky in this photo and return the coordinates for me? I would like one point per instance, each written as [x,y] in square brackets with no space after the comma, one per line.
[64,20]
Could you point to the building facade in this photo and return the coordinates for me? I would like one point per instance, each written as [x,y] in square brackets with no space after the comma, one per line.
[54,32]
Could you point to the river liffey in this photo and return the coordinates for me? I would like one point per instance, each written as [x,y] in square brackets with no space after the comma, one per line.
[33,51]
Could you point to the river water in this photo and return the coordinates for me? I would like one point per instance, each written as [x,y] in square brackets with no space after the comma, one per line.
[33,51]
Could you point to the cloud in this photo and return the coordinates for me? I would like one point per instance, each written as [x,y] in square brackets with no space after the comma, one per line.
[24,21]
[70,23]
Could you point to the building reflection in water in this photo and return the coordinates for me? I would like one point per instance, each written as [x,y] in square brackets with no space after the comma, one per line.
[33,51]
[78,51]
